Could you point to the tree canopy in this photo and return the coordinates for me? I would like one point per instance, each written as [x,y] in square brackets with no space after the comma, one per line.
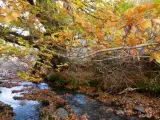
[102,27]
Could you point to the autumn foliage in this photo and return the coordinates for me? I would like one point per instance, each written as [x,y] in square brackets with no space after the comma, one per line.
[113,29]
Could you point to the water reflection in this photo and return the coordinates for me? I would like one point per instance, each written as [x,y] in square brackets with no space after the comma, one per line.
[43,86]
[24,109]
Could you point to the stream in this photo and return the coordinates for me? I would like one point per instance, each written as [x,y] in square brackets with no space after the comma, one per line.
[30,110]
[24,109]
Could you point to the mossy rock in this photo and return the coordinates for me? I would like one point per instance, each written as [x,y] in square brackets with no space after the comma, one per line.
[153,87]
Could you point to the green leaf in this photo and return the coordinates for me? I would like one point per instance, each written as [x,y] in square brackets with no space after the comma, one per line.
[156,1]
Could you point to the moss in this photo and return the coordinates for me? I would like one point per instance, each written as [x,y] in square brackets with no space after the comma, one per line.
[141,84]
[153,87]
[94,83]
[85,83]
[58,79]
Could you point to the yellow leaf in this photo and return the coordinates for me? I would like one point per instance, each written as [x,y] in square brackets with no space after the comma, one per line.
[2,19]
[11,16]
[99,34]
[60,39]
[53,35]
[85,24]
[144,8]
[13,4]
[110,24]
[7,20]
[144,25]
[60,33]
[151,58]
[133,41]
[122,26]
[137,13]
[15,15]
[158,60]
[70,35]
[156,56]
[105,44]
[66,64]
[157,39]
[150,6]
[4,10]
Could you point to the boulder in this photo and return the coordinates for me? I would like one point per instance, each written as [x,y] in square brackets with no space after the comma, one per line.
[60,113]
[10,67]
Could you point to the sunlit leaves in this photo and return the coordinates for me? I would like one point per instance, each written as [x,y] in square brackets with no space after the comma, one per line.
[69,35]
[10,12]
[61,66]
[156,1]
[99,34]
[68,24]
[137,13]
[144,25]
[23,42]
[155,55]
[132,40]
[157,39]
[124,6]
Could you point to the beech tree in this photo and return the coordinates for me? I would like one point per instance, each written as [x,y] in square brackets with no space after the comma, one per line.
[55,28]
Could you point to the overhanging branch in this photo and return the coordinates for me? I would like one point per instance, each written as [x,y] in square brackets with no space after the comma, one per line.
[120,48]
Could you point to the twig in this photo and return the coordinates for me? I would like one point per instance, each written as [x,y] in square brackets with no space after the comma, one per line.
[128,90]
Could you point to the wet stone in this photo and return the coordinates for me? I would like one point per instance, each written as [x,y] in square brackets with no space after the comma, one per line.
[139,109]
[60,113]
[17,98]
[93,109]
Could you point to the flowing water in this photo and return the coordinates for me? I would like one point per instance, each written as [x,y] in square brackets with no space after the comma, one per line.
[23,109]
[30,110]
[95,110]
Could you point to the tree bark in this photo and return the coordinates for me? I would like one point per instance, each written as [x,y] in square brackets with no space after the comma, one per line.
[31,2]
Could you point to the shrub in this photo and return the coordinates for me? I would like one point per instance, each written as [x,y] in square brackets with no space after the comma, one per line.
[117,74]
[56,78]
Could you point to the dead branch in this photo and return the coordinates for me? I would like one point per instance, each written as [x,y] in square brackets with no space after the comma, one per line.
[120,48]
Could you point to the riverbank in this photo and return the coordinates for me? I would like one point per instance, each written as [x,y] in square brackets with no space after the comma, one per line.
[6,112]
[50,103]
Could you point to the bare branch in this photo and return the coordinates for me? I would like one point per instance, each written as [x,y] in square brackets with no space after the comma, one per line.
[118,57]
[120,48]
